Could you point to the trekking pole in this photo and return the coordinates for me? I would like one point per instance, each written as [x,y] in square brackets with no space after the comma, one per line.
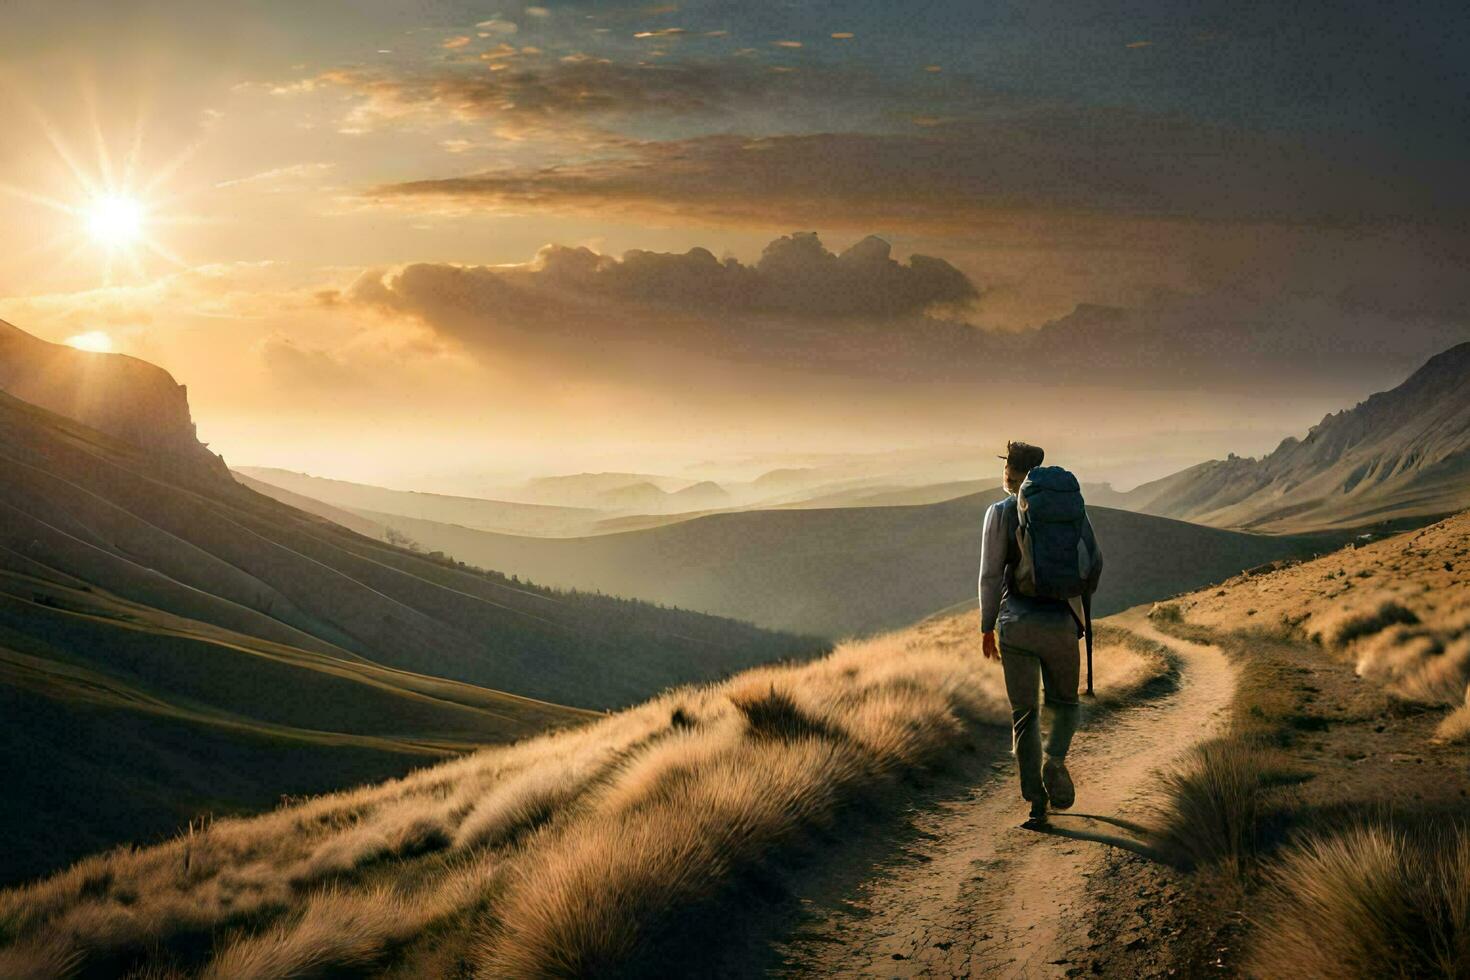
[1087,632]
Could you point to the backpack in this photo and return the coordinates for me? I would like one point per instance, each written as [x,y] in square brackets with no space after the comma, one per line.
[1056,561]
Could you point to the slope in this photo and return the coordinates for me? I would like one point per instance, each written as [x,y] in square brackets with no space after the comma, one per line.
[1400,454]
[492,515]
[846,571]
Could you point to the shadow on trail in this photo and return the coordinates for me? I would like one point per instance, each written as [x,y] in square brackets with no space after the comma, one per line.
[1087,830]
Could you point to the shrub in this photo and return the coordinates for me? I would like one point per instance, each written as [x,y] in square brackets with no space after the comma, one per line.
[1214,810]
[1165,612]
[1388,613]
[1368,903]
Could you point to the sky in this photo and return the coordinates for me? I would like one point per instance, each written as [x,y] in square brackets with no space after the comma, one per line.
[440,244]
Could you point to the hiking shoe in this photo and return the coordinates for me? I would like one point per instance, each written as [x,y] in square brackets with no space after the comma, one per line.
[1058,783]
[1038,815]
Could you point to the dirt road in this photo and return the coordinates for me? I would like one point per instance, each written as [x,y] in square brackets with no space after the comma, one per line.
[979,895]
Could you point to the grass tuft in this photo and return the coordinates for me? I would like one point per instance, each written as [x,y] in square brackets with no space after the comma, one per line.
[1386,614]
[1217,811]
[1366,903]
[775,714]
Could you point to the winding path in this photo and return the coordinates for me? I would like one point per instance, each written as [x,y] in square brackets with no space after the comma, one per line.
[979,895]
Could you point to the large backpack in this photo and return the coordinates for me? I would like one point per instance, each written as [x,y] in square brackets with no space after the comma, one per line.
[1056,560]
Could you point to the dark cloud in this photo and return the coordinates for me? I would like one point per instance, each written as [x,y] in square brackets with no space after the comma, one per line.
[517,92]
[668,320]
[796,276]
[1020,162]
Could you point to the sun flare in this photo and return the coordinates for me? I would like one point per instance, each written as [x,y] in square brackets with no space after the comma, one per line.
[96,341]
[115,220]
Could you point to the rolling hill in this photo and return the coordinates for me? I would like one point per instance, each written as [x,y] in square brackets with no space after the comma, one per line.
[846,571]
[174,643]
[490,515]
[1401,454]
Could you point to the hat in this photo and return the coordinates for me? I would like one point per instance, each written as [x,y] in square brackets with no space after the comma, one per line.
[1022,456]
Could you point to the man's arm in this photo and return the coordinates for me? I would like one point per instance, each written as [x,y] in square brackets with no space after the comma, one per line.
[992,567]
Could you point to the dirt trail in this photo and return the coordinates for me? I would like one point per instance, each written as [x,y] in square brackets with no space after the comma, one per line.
[979,895]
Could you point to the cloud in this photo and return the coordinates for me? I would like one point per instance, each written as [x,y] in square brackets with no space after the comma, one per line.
[1022,161]
[665,320]
[796,275]
[297,365]
[525,92]
[281,178]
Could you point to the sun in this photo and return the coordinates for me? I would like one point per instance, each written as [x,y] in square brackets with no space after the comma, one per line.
[96,341]
[116,209]
[115,220]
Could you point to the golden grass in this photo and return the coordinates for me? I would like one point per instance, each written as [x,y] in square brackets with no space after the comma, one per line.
[1398,608]
[1213,809]
[576,852]
[1455,728]
[1367,903]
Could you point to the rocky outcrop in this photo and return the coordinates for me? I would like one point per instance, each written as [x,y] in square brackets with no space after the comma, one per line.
[129,399]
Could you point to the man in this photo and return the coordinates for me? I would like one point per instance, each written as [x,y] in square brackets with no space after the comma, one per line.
[1037,642]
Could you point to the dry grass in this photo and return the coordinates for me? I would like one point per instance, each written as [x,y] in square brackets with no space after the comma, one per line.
[1398,608]
[576,852]
[1214,808]
[1367,903]
[1455,728]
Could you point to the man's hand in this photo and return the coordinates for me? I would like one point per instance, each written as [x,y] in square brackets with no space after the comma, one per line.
[988,645]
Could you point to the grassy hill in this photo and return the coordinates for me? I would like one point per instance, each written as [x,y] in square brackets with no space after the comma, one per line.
[640,843]
[850,570]
[626,847]
[173,643]
[1327,818]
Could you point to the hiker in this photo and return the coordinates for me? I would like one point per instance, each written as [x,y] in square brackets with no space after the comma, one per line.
[1039,565]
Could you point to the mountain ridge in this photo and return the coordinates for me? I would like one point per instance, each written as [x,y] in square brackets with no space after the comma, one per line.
[1400,453]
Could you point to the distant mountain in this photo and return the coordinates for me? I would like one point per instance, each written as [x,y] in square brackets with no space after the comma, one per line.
[850,570]
[337,515]
[642,497]
[705,495]
[491,515]
[592,490]
[1403,453]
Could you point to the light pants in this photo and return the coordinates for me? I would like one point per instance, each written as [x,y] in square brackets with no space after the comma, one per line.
[1050,659]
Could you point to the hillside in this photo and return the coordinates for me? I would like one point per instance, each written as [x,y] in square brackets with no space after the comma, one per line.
[846,571]
[643,844]
[1401,454]
[199,545]
[173,643]
[311,505]
[491,515]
